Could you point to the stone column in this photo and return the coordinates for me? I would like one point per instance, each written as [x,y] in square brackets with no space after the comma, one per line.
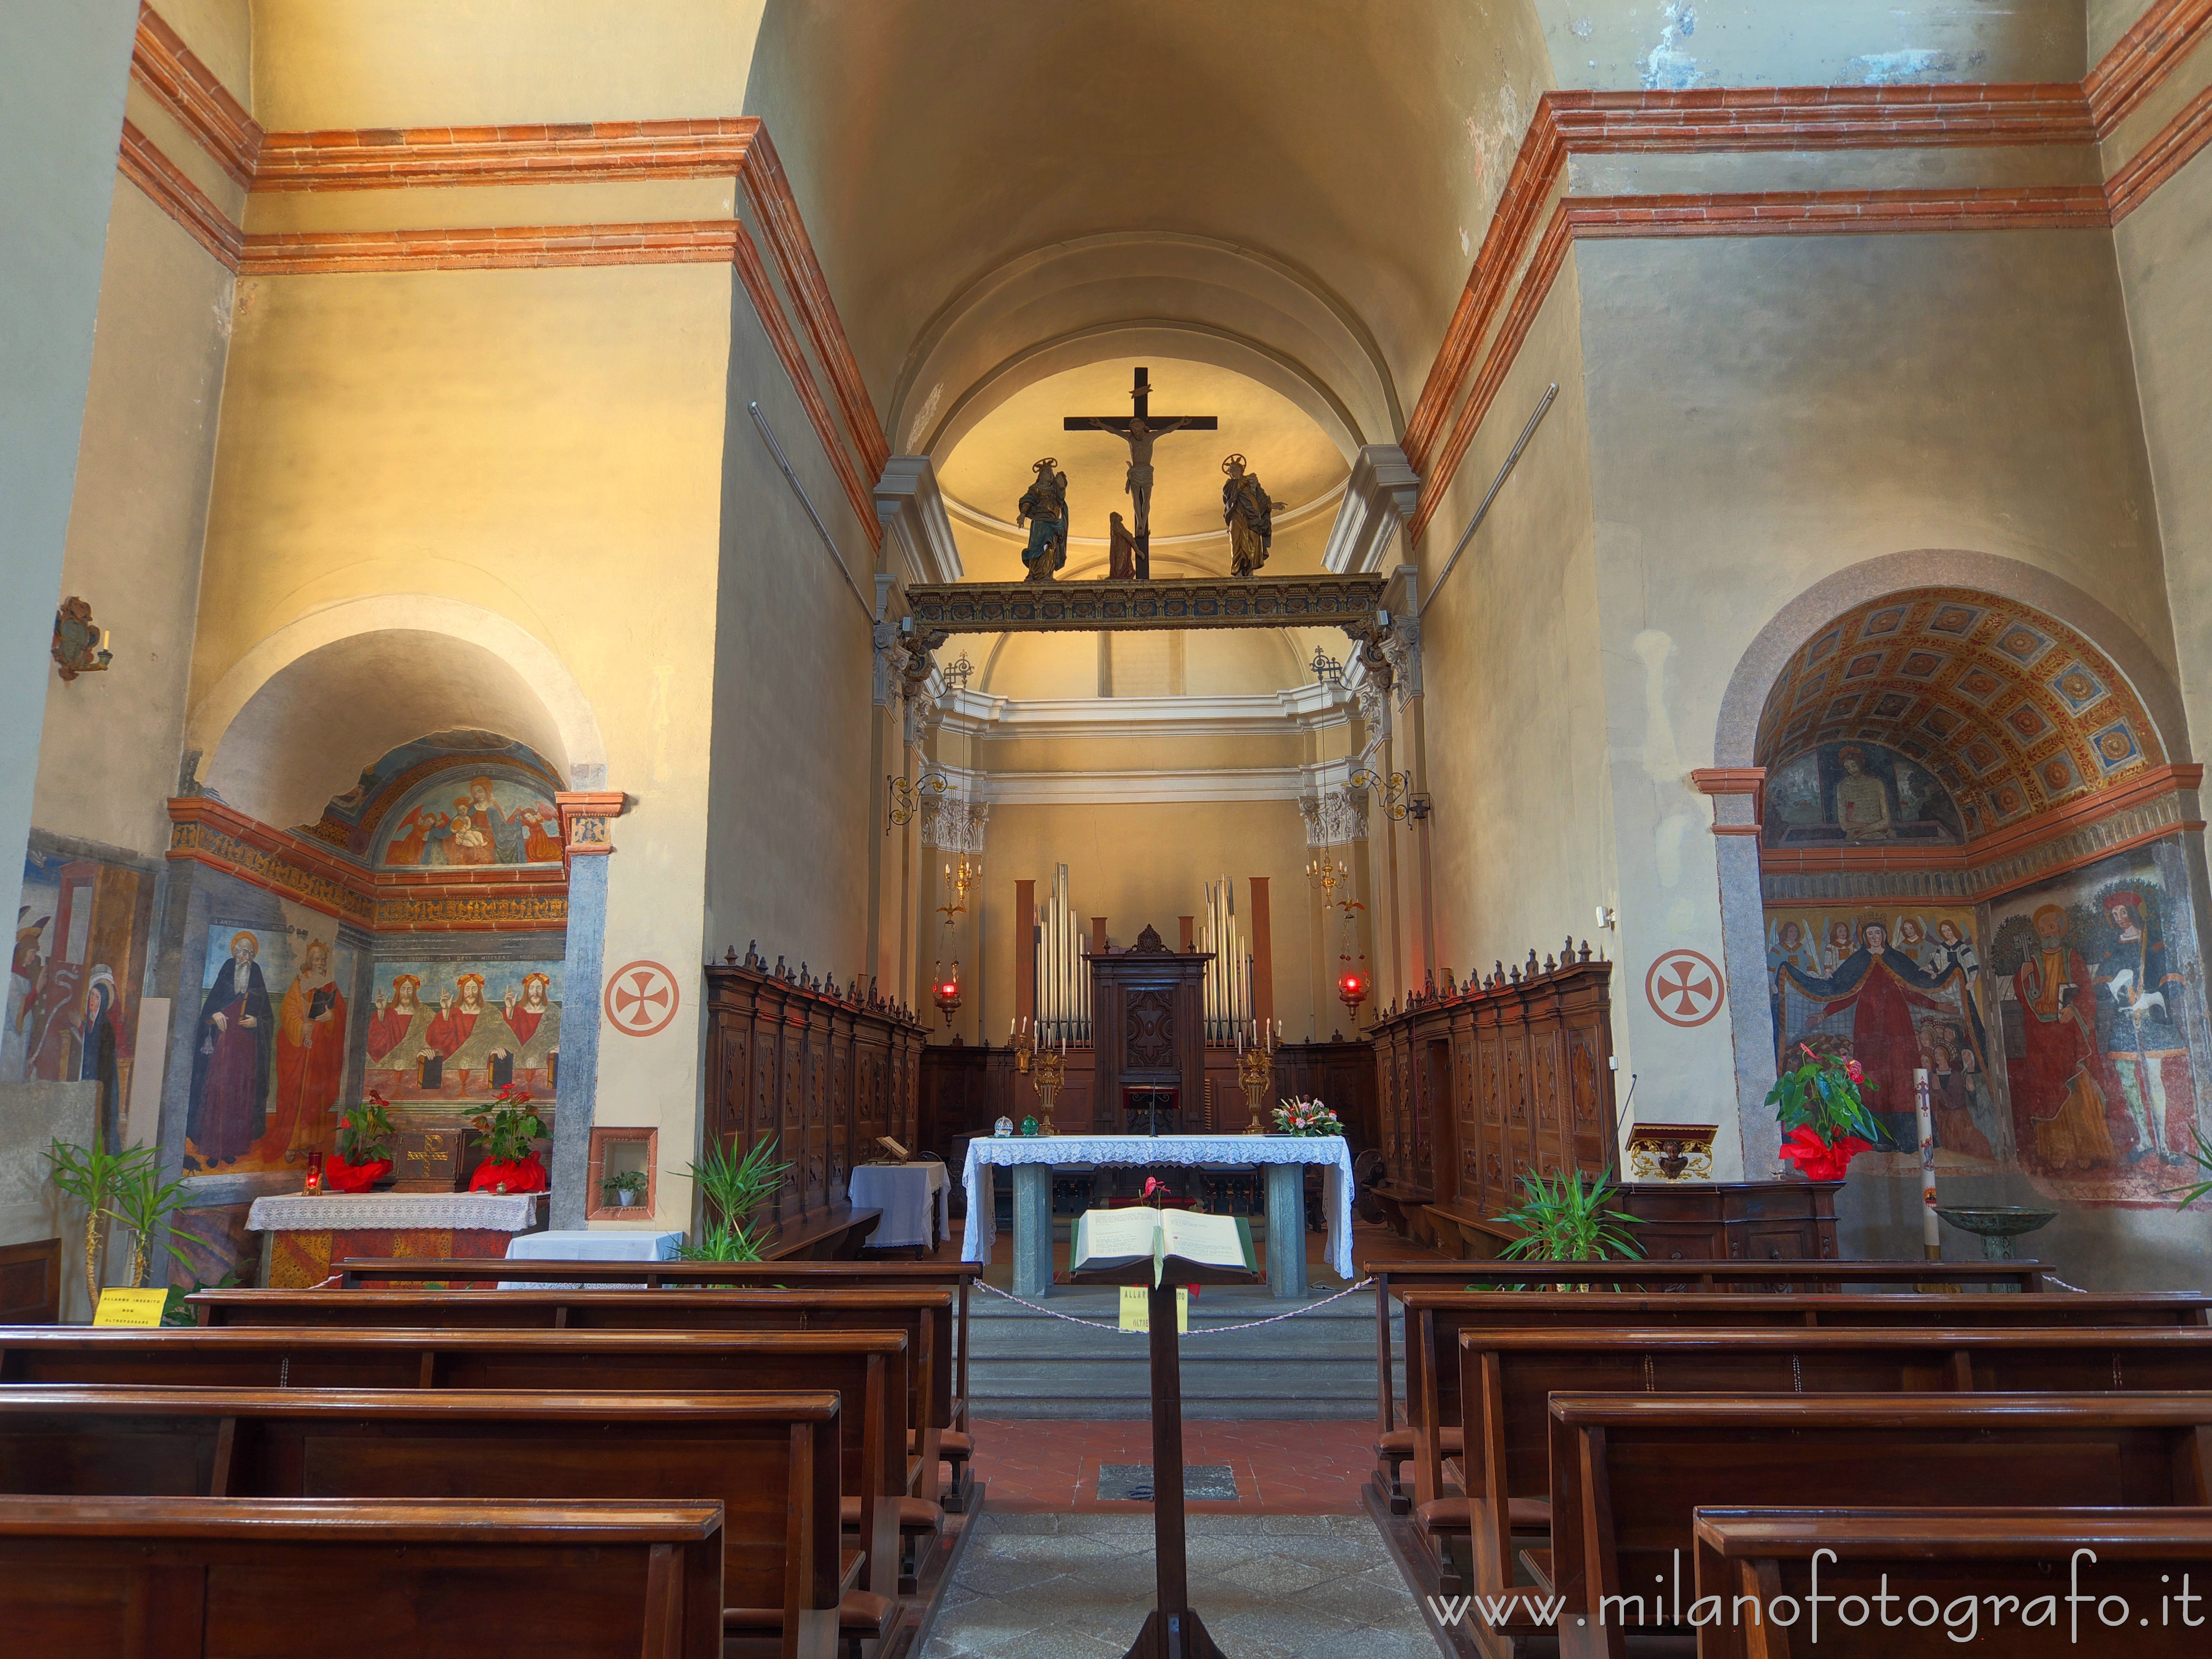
[1738,794]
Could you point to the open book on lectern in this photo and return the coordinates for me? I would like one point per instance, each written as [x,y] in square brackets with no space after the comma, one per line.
[1107,1241]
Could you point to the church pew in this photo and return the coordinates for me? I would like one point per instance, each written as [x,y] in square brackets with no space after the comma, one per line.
[924,1314]
[209,1578]
[769,1459]
[1396,1278]
[2140,1556]
[355,1273]
[1629,1472]
[867,1369]
[1507,1376]
[1436,1316]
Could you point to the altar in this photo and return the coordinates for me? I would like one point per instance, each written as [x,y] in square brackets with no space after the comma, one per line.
[1283,1158]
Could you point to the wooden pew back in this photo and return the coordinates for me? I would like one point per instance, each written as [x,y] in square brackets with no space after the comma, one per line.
[770,1459]
[867,1369]
[1629,1470]
[1983,1571]
[211,1578]
[1508,1378]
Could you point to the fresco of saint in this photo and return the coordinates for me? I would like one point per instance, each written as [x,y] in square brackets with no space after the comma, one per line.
[231,1053]
[2143,1051]
[2057,1089]
[311,1032]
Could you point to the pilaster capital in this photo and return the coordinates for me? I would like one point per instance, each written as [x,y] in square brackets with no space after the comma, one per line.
[586,815]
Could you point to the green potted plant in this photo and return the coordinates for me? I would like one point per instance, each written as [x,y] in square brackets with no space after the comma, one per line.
[88,1174]
[1562,1221]
[624,1188]
[142,1202]
[1820,1103]
[364,1155]
[510,1165]
[733,1190]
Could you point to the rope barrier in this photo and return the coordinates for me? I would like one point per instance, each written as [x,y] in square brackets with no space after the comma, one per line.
[1206,1330]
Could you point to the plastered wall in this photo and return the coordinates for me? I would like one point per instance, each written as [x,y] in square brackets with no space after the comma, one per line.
[1767,412]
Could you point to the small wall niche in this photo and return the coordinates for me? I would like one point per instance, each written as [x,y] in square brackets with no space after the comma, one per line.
[619,1152]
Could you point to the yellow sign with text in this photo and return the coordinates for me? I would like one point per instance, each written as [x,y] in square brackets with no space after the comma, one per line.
[122,1307]
[1136,1310]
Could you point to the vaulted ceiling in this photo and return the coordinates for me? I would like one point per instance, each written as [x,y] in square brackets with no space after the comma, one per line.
[2014,711]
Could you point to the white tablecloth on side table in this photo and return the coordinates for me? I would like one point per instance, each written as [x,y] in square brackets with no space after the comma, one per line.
[575,1244]
[916,1199]
[1173,1151]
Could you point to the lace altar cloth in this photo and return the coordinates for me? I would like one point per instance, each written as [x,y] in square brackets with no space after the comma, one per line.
[1079,1151]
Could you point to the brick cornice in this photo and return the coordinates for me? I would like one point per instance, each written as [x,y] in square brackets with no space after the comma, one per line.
[387,158]
[168,188]
[1820,117]
[1847,212]
[2140,59]
[509,247]
[2166,153]
[165,68]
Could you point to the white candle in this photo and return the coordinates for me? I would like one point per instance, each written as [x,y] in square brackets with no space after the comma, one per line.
[1930,1236]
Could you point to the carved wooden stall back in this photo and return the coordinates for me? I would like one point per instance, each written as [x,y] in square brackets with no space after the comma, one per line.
[1478,1085]
[822,1072]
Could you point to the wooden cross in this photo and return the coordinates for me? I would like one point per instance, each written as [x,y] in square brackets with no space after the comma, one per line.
[1138,430]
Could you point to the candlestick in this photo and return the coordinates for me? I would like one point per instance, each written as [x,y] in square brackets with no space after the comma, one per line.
[1931,1237]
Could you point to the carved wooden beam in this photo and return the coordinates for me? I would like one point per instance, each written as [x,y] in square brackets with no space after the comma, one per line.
[1320,601]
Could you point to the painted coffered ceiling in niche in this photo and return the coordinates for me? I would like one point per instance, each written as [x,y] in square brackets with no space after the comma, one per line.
[2014,713]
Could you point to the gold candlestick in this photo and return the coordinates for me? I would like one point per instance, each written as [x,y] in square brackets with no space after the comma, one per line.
[1256,1075]
[1047,1071]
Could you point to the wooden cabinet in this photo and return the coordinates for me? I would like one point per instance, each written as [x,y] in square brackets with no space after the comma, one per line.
[1734,1220]
[822,1074]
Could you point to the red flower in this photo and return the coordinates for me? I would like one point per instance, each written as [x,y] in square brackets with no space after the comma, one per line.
[1852,1069]
[1819,1160]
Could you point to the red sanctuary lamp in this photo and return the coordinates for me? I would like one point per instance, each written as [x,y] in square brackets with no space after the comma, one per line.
[1352,988]
[945,991]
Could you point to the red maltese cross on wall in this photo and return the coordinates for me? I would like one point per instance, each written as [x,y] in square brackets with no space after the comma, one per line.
[1684,988]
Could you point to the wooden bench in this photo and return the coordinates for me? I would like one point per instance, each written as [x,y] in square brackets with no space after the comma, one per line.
[836,1234]
[1482,1238]
[350,1578]
[1988,1556]
[1435,1318]
[957,1442]
[924,1314]
[1508,1378]
[867,1369]
[1629,1472]
[770,1460]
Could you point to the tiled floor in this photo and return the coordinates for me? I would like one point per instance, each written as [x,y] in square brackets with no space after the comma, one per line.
[1281,1468]
[1266,1586]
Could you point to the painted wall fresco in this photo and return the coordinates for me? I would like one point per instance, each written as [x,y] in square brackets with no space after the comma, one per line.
[2098,1012]
[1901,988]
[272,1017]
[458,1030]
[1858,795]
[463,796]
[76,974]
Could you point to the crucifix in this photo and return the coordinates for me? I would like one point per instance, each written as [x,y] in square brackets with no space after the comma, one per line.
[1138,430]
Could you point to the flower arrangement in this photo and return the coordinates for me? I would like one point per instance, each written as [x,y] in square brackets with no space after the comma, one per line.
[1303,1117]
[1825,1121]
[507,1131]
[364,1154]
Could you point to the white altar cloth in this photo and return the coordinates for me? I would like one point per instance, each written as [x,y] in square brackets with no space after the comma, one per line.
[916,1199]
[350,1212]
[577,1244]
[1078,1151]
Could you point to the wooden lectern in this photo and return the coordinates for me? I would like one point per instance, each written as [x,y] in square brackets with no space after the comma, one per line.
[1172,1630]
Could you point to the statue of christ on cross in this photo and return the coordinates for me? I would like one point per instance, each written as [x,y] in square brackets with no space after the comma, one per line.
[1139,429]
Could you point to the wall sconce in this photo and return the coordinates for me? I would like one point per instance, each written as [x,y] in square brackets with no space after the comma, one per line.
[80,643]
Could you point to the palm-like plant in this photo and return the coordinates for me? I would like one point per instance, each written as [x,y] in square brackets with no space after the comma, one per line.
[1562,1221]
[2202,1157]
[733,1188]
[142,1203]
[89,1173]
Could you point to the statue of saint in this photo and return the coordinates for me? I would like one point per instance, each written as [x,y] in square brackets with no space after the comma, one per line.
[1122,550]
[1250,515]
[1861,799]
[1044,505]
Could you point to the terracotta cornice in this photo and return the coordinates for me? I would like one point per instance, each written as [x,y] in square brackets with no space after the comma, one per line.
[164,66]
[2169,149]
[169,190]
[2140,59]
[387,158]
[1841,212]
[510,247]
[1820,117]
[1732,781]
